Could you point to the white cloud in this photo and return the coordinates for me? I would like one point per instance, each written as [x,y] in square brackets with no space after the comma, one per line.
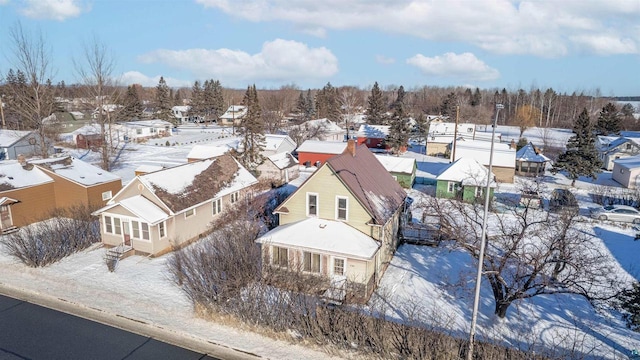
[541,28]
[4,2]
[381,59]
[278,61]
[465,66]
[59,10]
[135,77]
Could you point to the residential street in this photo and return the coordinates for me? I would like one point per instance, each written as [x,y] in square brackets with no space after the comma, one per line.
[29,331]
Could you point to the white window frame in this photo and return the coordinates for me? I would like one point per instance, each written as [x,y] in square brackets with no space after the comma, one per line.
[479,191]
[344,266]
[275,257]
[108,225]
[117,226]
[217,206]
[235,197]
[107,195]
[451,187]
[190,213]
[317,208]
[311,262]
[143,231]
[135,229]
[162,229]
[346,208]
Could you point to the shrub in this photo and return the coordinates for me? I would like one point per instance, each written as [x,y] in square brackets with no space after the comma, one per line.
[630,303]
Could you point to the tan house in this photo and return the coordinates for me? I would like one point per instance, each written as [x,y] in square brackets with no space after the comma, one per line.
[30,191]
[174,206]
[342,223]
[279,168]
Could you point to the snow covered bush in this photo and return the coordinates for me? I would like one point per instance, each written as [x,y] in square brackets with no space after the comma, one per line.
[48,241]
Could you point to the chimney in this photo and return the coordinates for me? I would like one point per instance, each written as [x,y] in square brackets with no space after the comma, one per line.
[513,144]
[351,147]
[22,160]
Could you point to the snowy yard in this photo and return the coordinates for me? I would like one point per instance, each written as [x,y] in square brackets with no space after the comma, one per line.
[432,284]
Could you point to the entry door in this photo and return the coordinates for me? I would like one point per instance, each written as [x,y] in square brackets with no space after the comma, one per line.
[126,232]
[5,217]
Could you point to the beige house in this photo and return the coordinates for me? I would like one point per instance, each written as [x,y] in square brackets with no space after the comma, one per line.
[342,223]
[279,168]
[626,171]
[171,207]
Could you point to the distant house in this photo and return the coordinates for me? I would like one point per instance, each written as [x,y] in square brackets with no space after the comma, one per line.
[30,191]
[465,179]
[402,169]
[276,144]
[203,152]
[316,152]
[504,156]
[342,224]
[181,113]
[320,129]
[373,136]
[174,206]
[441,135]
[626,171]
[530,161]
[89,141]
[279,168]
[142,130]
[618,148]
[233,115]
[15,142]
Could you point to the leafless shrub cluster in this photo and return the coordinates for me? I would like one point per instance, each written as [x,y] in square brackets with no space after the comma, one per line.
[46,242]
[608,195]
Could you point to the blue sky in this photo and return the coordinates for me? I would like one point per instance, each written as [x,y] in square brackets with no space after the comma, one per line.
[569,45]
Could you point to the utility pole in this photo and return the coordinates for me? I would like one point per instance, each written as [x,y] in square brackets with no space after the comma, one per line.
[4,125]
[455,136]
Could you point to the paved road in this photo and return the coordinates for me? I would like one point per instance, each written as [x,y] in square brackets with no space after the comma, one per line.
[29,331]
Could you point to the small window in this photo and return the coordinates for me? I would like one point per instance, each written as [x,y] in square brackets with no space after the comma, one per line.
[145,231]
[451,187]
[108,227]
[117,227]
[341,208]
[621,171]
[136,229]
[161,229]
[338,266]
[139,131]
[189,213]
[311,262]
[106,195]
[312,204]
[280,257]
[479,191]
[235,197]
[217,206]
[628,146]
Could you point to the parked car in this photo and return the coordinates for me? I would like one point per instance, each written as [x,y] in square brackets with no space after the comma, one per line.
[563,200]
[621,213]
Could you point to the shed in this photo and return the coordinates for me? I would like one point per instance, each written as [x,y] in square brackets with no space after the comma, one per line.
[402,169]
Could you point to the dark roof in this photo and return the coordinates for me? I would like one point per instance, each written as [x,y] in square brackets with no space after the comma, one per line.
[369,182]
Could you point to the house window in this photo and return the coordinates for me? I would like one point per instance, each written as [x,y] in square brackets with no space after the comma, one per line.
[145,231]
[621,171]
[138,131]
[189,213]
[628,146]
[341,208]
[108,228]
[106,195]
[280,257]
[136,229]
[161,229]
[154,130]
[338,266]
[217,206]
[311,262]
[117,227]
[451,186]
[394,177]
[235,197]
[479,191]
[312,204]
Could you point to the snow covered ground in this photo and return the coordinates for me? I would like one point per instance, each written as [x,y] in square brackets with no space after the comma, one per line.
[436,281]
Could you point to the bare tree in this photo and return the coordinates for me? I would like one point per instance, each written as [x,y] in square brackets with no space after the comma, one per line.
[349,101]
[32,94]
[95,71]
[530,252]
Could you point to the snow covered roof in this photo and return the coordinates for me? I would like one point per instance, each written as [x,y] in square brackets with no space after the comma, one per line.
[373,131]
[322,147]
[503,154]
[397,164]
[144,209]
[234,112]
[273,141]
[449,128]
[148,168]
[10,137]
[369,182]
[202,152]
[282,160]
[468,171]
[631,162]
[181,108]
[76,170]
[7,201]
[148,123]
[612,145]
[326,236]
[529,153]
[14,176]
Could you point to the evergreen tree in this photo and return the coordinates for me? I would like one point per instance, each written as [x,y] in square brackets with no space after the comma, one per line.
[581,156]
[399,131]
[609,121]
[476,98]
[132,106]
[421,129]
[305,105]
[252,130]
[216,102]
[163,102]
[327,104]
[376,106]
[630,303]
[449,106]
[197,100]
[177,98]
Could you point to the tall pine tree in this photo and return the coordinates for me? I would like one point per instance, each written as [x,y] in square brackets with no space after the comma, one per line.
[399,131]
[132,105]
[327,104]
[609,121]
[163,102]
[252,130]
[581,156]
[376,113]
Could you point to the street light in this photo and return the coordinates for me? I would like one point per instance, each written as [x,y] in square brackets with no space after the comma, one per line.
[476,300]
